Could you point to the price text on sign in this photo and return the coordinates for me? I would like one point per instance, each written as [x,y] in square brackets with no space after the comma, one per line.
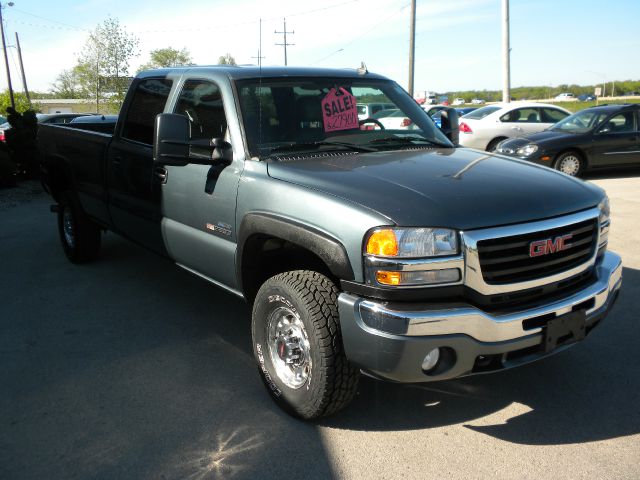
[339,111]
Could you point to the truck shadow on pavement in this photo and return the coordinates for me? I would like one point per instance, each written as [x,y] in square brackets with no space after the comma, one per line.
[587,393]
[130,367]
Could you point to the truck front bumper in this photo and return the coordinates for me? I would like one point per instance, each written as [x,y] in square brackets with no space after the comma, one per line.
[391,340]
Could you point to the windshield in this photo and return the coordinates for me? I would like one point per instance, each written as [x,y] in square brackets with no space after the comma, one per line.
[580,122]
[480,113]
[303,114]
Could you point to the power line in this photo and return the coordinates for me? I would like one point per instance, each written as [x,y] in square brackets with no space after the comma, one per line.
[355,39]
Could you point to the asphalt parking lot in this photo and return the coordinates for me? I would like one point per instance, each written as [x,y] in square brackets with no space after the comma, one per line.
[132,368]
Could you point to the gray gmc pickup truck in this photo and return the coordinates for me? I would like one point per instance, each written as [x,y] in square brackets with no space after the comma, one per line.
[360,248]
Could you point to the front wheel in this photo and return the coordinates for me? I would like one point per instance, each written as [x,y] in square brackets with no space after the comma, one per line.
[570,163]
[298,345]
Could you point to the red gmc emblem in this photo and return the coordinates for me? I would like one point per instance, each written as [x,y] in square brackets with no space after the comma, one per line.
[547,246]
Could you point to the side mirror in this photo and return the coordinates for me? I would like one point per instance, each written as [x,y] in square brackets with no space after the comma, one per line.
[172,144]
[449,124]
[171,139]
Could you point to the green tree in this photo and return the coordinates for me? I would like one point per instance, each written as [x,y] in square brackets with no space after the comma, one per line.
[167,57]
[68,84]
[103,64]
[227,59]
[22,104]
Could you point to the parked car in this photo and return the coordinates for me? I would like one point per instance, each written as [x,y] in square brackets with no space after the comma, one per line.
[487,126]
[368,110]
[477,101]
[53,118]
[596,137]
[459,101]
[437,116]
[95,123]
[565,96]
[586,98]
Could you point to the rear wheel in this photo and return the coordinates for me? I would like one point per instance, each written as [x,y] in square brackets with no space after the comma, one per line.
[298,345]
[80,237]
[570,163]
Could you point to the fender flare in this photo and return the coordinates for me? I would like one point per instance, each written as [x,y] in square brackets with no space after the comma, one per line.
[326,247]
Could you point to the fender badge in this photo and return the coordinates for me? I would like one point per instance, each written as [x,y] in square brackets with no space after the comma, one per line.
[220,227]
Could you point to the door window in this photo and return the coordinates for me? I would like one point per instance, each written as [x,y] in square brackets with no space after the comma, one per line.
[522,115]
[621,123]
[148,101]
[201,102]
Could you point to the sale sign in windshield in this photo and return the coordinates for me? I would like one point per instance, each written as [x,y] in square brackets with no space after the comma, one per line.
[339,110]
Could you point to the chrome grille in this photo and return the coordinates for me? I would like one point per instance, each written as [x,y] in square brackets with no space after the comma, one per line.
[507,260]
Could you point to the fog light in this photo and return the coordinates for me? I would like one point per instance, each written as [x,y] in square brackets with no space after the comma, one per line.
[431,360]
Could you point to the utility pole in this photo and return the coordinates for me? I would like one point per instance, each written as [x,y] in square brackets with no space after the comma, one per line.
[6,60]
[260,57]
[412,45]
[284,32]
[24,78]
[506,53]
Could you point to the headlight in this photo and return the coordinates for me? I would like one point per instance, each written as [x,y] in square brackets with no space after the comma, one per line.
[527,150]
[604,220]
[413,257]
[412,242]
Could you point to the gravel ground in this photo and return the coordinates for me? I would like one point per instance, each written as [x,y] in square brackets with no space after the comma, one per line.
[23,193]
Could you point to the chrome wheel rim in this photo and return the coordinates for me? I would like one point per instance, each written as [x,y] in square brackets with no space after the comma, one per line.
[570,165]
[289,347]
[68,227]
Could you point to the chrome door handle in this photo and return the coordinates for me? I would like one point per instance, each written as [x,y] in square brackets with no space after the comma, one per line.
[161,174]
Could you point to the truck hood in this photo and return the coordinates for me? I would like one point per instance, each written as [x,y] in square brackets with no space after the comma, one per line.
[456,188]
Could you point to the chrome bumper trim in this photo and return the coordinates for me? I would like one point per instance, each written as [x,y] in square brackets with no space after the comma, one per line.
[471,321]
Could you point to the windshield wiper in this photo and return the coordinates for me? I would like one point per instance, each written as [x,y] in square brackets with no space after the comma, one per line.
[403,141]
[293,147]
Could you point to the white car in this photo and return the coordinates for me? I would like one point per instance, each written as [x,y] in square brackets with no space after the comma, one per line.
[394,119]
[459,101]
[487,126]
[565,96]
[477,101]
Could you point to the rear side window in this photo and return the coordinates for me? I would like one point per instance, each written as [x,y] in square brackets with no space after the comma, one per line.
[148,101]
[551,115]
[480,113]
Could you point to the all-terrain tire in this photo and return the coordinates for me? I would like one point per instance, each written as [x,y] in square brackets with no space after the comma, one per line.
[306,301]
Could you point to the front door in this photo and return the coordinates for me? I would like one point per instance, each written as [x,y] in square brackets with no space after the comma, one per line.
[200,200]
[617,141]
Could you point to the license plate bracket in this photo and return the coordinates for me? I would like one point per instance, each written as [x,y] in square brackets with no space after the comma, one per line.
[565,329]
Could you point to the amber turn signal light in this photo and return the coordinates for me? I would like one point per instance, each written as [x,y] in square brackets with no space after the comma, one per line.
[388,278]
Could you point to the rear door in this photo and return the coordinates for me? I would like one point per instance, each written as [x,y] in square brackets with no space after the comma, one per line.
[523,121]
[617,140]
[134,185]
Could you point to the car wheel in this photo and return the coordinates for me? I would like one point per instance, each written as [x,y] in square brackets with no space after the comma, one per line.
[570,163]
[494,143]
[298,344]
[80,236]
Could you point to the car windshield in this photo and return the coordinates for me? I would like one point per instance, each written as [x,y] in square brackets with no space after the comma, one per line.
[480,113]
[580,122]
[309,114]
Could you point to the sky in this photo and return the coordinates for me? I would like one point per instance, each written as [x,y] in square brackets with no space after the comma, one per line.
[458,42]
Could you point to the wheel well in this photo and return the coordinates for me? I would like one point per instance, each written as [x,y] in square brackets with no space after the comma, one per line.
[493,142]
[264,256]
